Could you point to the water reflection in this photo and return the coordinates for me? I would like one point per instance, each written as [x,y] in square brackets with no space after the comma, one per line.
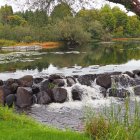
[92,54]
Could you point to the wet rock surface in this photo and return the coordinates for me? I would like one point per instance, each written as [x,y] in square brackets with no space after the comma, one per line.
[104,80]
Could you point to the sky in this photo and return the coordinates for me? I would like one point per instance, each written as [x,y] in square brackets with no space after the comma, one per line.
[17,6]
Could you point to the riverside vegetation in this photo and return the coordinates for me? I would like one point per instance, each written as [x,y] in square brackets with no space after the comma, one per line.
[64,25]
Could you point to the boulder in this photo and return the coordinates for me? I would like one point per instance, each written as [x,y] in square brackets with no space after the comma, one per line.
[14,88]
[137,81]
[104,80]
[1,83]
[9,82]
[59,95]
[10,100]
[130,74]
[136,72]
[115,73]
[26,81]
[37,80]
[6,90]
[59,82]
[137,90]
[43,98]
[86,79]
[103,91]
[121,93]
[56,76]
[24,97]
[44,85]
[70,81]
[1,96]
[35,89]
[77,93]
[123,80]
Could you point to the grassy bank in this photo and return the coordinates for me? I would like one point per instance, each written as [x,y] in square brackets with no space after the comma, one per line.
[126,39]
[19,127]
[45,45]
[115,123]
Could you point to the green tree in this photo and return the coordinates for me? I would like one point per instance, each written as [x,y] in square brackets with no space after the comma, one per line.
[120,17]
[88,15]
[36,18]
[16,20]
[61,11]
[133,27]
[5,12]
[70,31]
[107,18]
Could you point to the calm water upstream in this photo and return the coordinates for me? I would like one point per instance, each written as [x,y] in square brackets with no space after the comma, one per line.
[93,58]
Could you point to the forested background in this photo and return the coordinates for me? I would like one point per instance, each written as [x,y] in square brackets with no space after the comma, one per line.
[67,26]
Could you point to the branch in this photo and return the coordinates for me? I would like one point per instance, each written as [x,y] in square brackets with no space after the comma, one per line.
[132,5]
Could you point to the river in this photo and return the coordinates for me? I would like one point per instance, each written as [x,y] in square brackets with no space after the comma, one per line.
[93,58]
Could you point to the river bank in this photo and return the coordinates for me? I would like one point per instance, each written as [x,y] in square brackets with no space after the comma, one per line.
[20,127]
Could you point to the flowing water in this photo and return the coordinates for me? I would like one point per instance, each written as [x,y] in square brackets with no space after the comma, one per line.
[91,59]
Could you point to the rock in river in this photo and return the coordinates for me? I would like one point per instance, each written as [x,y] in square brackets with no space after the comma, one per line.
[104,80]
[24,97]
[59,95]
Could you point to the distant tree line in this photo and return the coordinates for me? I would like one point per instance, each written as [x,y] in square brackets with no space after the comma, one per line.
[64,25]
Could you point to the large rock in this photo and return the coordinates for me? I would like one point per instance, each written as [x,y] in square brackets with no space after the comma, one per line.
[43,98]
[12,85]
[35,89]
[123,81]
[103,91]
[130,74]
[104,80]
[1,96]
[45,85]
[14,88]
[59,95]
[1,83]
[10,100]
[59,82]
[77,93]
[137,90]
[86,79]
[121,93]
[70,81]
[26,81]
[37,80]
[136,72]
[24,97]
[6,90]
[56,76]
[10,82]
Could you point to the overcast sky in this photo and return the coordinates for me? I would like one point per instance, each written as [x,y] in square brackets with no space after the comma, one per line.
[20,5]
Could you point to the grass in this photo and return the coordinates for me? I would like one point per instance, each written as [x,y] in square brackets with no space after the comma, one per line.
[126,39]
[6,43]
[45,45]
[20,127]
[115,123]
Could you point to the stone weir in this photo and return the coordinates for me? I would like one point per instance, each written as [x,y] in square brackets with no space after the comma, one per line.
[22,48]
[57,88]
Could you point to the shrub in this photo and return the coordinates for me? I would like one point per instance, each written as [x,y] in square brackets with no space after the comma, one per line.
[28,39]
[4,42]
